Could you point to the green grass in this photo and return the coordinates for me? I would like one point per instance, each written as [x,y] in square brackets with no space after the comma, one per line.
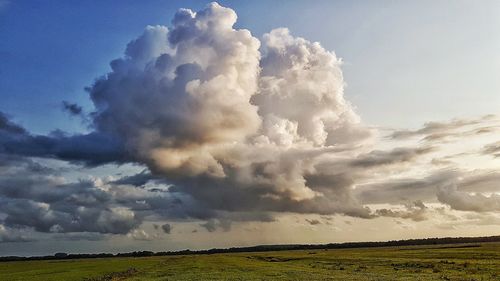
[438,262]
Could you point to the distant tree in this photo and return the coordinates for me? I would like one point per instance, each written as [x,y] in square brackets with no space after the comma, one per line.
[60,255]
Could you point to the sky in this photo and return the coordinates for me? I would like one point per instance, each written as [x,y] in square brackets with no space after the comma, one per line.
[169,125]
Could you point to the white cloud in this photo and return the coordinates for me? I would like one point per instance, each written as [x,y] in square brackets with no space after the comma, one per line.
[201,105]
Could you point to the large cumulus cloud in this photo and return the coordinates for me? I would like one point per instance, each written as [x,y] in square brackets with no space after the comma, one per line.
[181,96]
[236,128]
[228,127]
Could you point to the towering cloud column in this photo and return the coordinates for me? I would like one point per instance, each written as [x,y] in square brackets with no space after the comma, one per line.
[198,105]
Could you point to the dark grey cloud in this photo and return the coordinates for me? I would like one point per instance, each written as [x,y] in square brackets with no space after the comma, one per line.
[167,228]
[81,236]
[34,197]
[62,218]
[139,179]
[9,127]
[492,149]
[90,149]
[396,155]
[461,190]
[230,196]
[463,201]
[313,221]
[214,224]
[480,181]
[415,211]
[397,191]
[72,108]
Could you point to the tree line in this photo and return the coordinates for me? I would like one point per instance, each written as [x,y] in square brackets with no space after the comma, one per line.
[267,248]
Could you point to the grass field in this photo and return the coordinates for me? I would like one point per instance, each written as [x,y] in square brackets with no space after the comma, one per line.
[439,262]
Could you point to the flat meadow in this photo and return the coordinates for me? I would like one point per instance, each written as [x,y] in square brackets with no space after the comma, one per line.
[477,261]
